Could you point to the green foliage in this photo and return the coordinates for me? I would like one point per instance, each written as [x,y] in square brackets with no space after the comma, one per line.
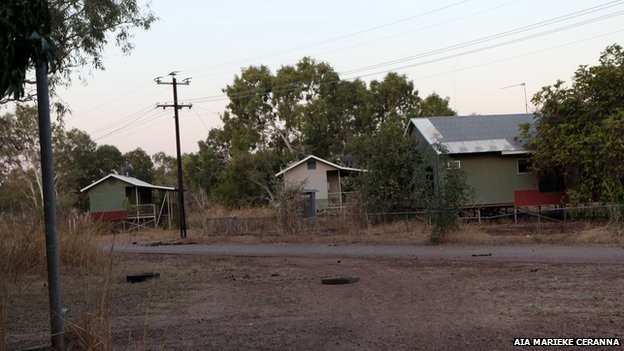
[578,130]
[307,109]
[67,34]
[434,105]
[74,157]
[390,160]
[165,171]
[25,30]
[108,159]
[442,191]
[141,163]
[394,98]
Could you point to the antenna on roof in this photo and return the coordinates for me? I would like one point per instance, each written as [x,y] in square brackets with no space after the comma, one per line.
[127,170]
[526,105]
[348,160]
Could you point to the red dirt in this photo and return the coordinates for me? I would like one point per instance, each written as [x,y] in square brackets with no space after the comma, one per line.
[276,303]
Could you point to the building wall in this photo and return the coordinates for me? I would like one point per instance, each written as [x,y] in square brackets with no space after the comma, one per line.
[311,179]
[109,195]
[494,177]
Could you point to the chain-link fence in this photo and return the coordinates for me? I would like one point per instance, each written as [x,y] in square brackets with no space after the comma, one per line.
[354,222]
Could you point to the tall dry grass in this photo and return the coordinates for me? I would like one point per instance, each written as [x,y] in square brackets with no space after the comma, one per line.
[23,255]
[353,224]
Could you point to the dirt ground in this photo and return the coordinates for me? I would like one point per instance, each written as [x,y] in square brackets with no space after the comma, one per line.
[279,303]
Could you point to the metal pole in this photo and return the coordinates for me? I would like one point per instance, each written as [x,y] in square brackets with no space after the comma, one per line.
[49,207]
[179,156]
[526,104]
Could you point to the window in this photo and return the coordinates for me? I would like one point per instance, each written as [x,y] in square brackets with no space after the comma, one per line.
[454,164]
[311,164]
[524,166]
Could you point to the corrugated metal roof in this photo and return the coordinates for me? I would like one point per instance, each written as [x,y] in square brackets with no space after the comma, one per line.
[295,164]
[129,180]
[474,134]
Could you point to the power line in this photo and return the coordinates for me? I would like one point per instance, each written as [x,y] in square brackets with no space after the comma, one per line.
[337,38]
[494,36]
[146,117]
[121,124]
[127,129]
[516,56]
[251,93]
[485,48]
[381,39]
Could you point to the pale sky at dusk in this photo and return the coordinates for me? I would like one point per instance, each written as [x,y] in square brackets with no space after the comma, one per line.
[464,50]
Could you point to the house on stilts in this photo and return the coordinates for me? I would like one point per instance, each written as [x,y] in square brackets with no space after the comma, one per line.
[130,201]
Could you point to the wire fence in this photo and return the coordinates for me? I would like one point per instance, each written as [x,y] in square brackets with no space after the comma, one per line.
[353,222]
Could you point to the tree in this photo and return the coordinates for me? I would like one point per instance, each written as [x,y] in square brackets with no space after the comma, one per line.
[577,133]
[393,98]
[25,30]
[19,152]
[390,160]
[25,39]
[204,170]
[141,163]
[434,105]
[165,169]
[79,32]
[108,159]
[441,190]
[75,159]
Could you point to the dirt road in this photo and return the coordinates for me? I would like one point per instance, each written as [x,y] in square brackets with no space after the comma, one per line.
[533,253]
[409,297]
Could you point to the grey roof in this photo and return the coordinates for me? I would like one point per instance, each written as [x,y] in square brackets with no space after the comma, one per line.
[474,134]
[130,180]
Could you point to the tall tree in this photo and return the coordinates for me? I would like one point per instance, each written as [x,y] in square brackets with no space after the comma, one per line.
[79,30]
[394,98]
[75,155]
[204,169]
[141,163]
[108,159]
[165,169]
[435,105]
[578,129]
[391,161]
[19,151]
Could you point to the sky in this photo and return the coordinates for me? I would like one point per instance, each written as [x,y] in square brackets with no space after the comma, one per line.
[483,55]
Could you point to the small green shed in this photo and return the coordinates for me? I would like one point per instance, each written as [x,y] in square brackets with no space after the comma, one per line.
[130,200]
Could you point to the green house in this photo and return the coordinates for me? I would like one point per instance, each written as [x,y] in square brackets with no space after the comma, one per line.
[122,198]
[497,165]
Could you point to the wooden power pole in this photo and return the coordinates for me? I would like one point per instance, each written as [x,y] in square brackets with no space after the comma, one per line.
[176,106]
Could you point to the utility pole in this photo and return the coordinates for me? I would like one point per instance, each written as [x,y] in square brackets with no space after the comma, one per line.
[176,107]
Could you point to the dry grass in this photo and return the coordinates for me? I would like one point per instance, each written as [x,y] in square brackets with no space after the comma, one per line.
[22,276]
[267,226]
[22,252]
[564,233]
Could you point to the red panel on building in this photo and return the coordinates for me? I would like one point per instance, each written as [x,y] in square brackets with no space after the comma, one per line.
[109,216]
[532,197]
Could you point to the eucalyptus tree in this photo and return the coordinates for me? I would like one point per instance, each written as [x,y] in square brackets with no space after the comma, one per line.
[577,133]
[79,31]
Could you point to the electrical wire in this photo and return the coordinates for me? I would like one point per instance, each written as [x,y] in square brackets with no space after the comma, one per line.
[330,40]
[492,37]
[275,64]
[141,117]
[251,93]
